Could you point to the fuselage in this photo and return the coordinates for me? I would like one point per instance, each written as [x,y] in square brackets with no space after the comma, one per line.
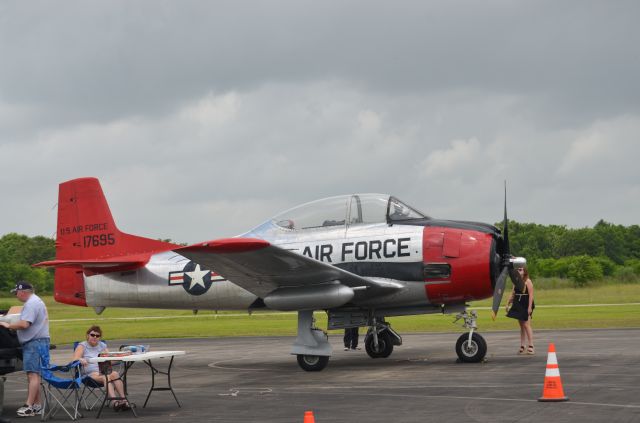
[434,263]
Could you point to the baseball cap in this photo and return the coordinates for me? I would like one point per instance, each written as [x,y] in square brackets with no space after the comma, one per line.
[21,286]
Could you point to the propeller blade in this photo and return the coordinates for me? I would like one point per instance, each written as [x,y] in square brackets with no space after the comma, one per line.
[505,226]
[498,291]
[516,279]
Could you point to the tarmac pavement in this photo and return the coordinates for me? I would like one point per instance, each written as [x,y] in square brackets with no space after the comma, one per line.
[255,379]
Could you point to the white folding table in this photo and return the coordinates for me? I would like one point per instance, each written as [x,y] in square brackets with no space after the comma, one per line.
[146,358]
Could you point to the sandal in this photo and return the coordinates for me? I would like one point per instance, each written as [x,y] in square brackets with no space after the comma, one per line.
[122,405]
[530,350]
[521,350]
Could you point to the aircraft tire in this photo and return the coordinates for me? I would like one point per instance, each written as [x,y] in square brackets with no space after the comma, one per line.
[312,363]
[473,353]
[385,345]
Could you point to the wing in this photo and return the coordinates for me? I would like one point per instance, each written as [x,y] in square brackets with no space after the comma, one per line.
[262,268]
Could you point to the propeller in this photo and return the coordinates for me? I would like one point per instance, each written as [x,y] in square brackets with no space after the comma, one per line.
[507,265]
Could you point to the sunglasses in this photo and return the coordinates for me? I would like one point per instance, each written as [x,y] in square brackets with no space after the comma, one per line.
[95,335]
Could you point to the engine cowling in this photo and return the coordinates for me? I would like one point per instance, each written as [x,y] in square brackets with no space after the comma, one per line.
[459,264]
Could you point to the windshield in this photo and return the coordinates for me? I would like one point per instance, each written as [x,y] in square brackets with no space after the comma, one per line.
[399,211]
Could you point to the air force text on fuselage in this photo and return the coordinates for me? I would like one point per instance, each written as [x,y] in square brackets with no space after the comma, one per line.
[406,247]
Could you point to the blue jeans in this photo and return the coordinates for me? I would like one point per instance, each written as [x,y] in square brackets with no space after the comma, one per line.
[35,354]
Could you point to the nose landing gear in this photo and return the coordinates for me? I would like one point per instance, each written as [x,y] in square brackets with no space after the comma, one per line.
[471,347]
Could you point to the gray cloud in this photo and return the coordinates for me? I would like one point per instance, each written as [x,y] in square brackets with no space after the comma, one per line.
[203,119]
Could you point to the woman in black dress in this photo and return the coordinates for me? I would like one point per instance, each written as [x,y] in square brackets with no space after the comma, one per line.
[520,306]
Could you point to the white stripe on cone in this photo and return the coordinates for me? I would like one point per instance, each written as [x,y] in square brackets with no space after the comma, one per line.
[552,373]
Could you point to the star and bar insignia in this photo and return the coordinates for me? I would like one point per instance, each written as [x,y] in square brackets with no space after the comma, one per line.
[194,279]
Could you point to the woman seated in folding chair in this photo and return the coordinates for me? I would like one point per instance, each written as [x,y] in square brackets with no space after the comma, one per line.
[90,349]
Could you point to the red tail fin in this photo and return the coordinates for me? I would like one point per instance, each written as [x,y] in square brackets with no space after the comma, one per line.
[88,240]
[86,230]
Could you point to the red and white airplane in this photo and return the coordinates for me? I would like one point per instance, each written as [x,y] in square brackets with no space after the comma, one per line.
[361,258]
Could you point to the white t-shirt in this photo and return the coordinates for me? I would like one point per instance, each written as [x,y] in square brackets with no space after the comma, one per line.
[34,312]
[91,352]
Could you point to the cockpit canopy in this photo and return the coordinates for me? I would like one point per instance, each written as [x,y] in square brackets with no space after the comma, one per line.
[346,209]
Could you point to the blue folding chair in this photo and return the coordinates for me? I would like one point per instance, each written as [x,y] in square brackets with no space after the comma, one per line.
[92,391]
[61,393]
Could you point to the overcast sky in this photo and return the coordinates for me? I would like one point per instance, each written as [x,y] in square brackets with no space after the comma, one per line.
[204,118]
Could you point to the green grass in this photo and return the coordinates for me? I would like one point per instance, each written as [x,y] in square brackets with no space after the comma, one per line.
[69,323]
[558,283]
[602,294]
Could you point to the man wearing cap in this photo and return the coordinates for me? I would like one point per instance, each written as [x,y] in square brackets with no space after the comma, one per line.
[33,334]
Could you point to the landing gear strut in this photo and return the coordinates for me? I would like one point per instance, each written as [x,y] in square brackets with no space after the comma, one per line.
[471,347]
[311,347]
[380,339]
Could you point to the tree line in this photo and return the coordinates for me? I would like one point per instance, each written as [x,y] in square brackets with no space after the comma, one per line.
[18,253]
[581,255]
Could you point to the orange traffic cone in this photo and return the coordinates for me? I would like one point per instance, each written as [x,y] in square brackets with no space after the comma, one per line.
[552,390]
[308,417]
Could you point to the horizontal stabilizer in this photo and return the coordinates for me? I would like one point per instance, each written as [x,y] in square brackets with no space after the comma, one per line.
[127,261]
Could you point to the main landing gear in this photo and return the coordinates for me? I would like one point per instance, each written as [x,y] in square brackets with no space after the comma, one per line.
[471,347]
[311,347]
[380,339]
